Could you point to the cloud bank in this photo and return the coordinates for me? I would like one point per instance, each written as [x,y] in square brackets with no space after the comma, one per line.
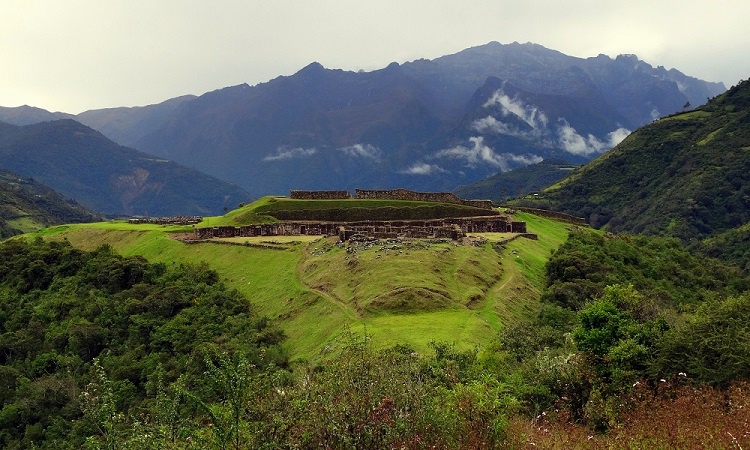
[560,135]
[528,113]
[574,143]
[479,153]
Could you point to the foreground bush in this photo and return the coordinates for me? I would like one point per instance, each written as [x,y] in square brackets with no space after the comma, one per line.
[668,415]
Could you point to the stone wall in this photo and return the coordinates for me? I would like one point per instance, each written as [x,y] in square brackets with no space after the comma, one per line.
[173,220]
[405,194]
[269,229]
[438,228]
[320,195]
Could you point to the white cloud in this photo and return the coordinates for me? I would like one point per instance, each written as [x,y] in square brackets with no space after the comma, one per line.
[524,160]
[362,150]
[538,130]
[491,125]
[655,114]
[480,153]
[617,136]
[572,142]
[530,114]
[421,168]
[289,153]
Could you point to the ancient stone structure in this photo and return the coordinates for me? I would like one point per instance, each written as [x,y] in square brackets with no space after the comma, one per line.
[319,195]
[455,228]
[174,220]
[405,194]
[270,229]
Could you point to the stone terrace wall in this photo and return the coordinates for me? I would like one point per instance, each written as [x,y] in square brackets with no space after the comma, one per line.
[453,228]
[319,195]
[173,220]
[405,194]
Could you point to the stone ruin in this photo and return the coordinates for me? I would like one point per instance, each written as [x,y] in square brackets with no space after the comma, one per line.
[172,220]
[405,194]
[454,228]
[451,228]
[319,195]
[390,194]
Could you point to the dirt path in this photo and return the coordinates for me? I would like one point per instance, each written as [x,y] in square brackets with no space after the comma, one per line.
[347,309]
[505,298]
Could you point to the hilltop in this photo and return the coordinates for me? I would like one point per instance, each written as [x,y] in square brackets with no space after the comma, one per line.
[518,182]
[410,291]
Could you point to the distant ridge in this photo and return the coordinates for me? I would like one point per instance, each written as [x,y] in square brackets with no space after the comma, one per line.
[82,164]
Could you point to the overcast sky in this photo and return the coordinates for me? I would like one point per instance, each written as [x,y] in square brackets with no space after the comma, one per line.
[75,55]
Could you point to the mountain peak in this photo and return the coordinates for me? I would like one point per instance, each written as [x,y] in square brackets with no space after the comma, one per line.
[313,67]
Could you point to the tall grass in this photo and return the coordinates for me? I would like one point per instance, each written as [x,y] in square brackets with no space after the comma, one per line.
[669,415]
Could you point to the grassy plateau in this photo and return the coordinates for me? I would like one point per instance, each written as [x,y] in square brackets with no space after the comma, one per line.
[398,292]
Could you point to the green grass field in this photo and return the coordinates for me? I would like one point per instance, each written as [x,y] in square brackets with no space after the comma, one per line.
[398,293]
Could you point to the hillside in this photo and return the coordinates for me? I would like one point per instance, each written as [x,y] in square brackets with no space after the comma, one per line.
[686,175]
[400,292]
[26,206]
[517,182]
[82,164]
[583,333]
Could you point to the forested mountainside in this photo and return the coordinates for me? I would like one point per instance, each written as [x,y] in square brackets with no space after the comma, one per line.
[26,205]
[518,182]
[84,165]
[686,175]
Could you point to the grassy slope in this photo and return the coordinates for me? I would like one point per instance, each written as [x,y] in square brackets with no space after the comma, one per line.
[465,294]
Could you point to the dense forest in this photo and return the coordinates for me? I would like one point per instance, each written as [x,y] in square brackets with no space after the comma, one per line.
[685,175]
[26,205]
[103,351]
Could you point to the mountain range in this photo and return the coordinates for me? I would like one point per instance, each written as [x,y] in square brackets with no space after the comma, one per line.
[424,125]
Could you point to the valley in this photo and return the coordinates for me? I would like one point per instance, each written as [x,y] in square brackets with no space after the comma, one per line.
[605,304]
